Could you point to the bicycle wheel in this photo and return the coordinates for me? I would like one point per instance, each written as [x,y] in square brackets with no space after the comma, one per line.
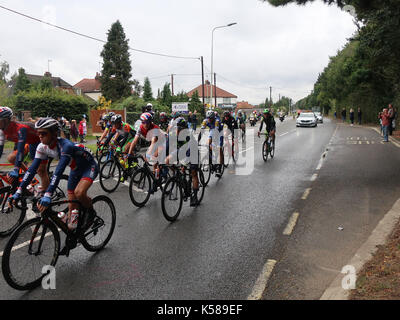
[10,218]
[272,149]
[172,199]
[99,234]
[202,186]
[265,150]
[110,176]
[206,168]
[32,246]
[139,187]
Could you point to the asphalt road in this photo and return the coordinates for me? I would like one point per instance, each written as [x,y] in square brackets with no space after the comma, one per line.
[216,251]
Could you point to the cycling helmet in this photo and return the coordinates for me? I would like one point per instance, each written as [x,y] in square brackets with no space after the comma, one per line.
[111,114]
[181,123]
[5,113]
[146,117]
[210,114]
[116,119]
[163,115]
[266,111]
[149,107]
[227,114]
[47,123]
[175,114]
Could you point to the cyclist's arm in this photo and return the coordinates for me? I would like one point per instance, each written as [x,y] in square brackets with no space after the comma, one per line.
[65,159]
[261,126]
[20,147]
[29,174]
[104,134]
[134,143]
[2,140]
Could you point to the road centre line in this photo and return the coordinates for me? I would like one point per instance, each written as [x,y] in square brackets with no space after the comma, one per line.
[291,224]
[306,193]
[314,177]
[261,283]
[283,134]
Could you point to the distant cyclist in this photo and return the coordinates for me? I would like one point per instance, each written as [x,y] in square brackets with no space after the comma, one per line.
[22,134]
[270,125]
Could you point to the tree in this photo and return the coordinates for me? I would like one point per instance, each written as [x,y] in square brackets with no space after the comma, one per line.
[22,82]
[4,70]
[137,88]
[195,104]
[147,92]
[166,96]
[116,73]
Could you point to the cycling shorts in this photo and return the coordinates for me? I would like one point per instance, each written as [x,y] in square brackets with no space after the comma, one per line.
[88,173]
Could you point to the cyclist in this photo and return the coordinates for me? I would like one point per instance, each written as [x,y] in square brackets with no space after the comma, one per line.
[163,121]
[231,124]
[21,134]
[241,121]
[212,122]
[108,126]
[146,126]
[270,125]
[149,108]
[175,115]
[84,168]
[181,124]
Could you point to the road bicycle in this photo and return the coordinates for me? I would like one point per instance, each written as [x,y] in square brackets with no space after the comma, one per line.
[116,170]
[11,217]
[144,183]
[268,147]
[36,243]
[178,189]
[210,168]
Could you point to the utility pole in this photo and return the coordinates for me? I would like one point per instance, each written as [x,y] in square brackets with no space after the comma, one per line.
[215,88]
[202,79]
[172,84]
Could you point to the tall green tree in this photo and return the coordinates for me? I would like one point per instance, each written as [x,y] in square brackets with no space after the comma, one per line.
[4,70]
[166,96]
[137,88]
[116,74]
[22,82]
[147,92]
[195,104]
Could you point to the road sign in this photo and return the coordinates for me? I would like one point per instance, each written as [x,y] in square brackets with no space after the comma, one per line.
[180,106]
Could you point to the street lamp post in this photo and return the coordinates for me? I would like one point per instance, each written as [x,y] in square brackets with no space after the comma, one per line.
[212,52]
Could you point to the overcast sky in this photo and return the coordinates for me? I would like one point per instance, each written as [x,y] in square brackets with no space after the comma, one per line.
[285,48]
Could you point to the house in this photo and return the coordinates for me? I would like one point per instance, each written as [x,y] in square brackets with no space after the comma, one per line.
[225,100]
[56,82]
[246,107]
[90,87]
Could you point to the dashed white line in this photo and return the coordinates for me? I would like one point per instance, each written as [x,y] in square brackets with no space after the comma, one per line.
[314,177]
[261,283]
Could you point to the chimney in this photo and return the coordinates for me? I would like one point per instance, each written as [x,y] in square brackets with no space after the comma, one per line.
[207,82]
[47,74]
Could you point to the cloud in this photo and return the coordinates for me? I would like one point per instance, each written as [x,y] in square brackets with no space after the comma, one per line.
[282,47]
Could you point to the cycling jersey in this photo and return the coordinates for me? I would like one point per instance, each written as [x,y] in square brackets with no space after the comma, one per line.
[77,156]
[21,134]
[269,123]
[231,123]
[143,131]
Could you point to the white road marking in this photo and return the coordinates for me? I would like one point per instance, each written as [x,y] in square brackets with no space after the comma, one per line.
[291,224]
[283,134]
[24,244]
[246,150]
[261,283]
[314,177]
[306,193]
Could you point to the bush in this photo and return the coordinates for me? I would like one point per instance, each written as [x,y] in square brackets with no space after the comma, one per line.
[53,103]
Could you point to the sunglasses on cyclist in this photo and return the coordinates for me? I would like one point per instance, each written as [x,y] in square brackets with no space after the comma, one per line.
[42,133]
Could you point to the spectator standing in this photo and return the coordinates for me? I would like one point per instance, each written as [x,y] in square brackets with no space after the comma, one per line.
[74,131]
[67,130]
[385,124]
[359,116]
[82,130]
[335,115]
[189,120]
[344,115]
[352,116]
[391,118]
[194,120]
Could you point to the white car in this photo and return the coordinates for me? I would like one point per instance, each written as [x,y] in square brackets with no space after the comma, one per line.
[319,117]
[306,119]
